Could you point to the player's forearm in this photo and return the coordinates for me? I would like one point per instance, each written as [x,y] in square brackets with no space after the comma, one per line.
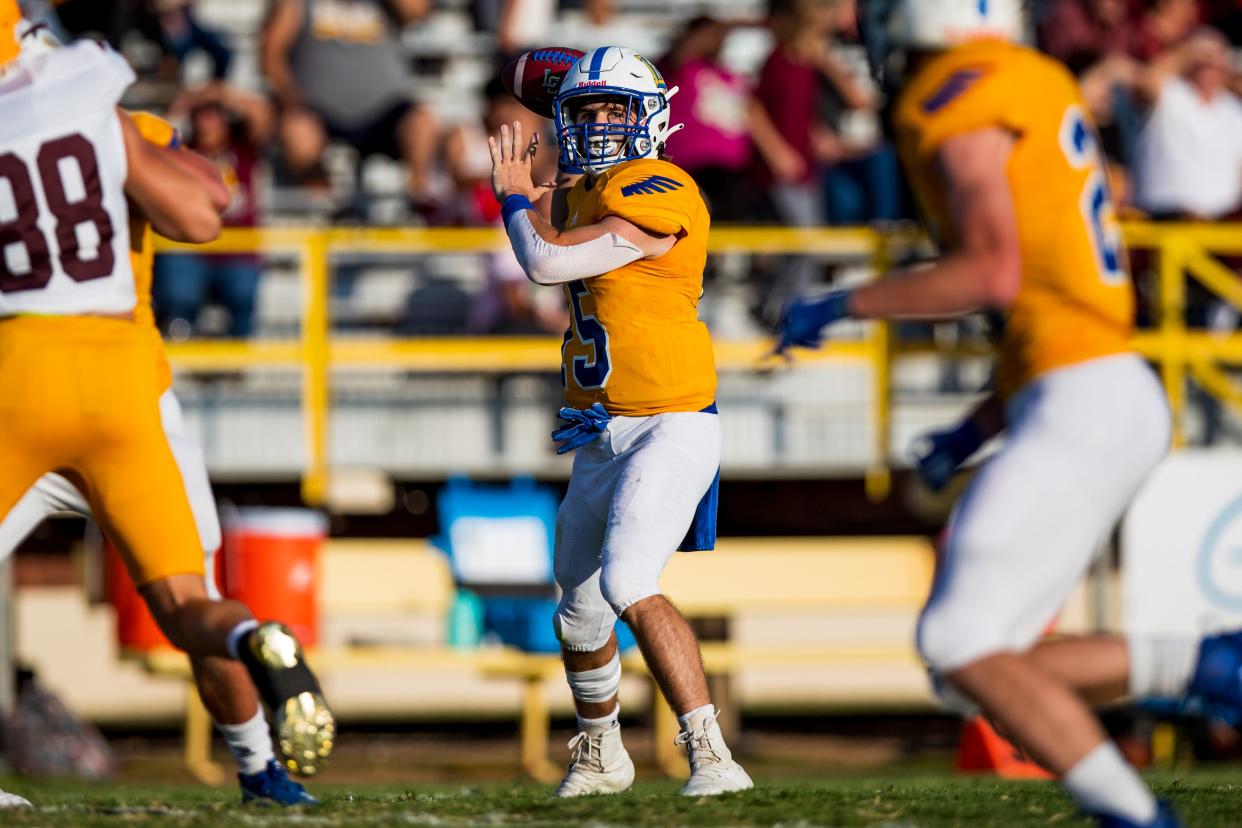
[171,197]
[552,258]
[956,285]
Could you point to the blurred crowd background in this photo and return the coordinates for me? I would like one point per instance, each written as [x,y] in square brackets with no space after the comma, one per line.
[377,112]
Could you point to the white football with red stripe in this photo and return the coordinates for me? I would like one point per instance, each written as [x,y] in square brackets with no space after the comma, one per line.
[534,77]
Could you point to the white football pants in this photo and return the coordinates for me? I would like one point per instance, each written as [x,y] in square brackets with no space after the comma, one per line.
[632,497]
[1080,441]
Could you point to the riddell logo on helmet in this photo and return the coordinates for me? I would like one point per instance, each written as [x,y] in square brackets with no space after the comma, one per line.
[961,34]
[592,83]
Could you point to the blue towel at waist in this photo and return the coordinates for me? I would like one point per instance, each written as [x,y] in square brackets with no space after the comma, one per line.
[702,534]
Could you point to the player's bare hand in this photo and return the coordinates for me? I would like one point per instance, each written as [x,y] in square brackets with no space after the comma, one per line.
[511,164]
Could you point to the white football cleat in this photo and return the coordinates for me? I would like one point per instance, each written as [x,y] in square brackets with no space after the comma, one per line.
[712,769]
[8,800]
[600,764]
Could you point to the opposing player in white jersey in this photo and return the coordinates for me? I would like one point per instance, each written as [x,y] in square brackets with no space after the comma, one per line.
[226,690]
[82,376]
[640,386]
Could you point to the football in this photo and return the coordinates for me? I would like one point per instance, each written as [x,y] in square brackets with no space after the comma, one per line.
[534,77]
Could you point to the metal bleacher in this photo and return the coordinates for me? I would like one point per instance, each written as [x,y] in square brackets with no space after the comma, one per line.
[428,406]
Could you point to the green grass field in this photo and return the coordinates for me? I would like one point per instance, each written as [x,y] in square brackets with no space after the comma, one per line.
[1205,798]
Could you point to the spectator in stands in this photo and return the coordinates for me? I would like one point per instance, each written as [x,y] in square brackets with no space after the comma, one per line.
[338,70]
[1080,33]
[1096,40]
[724,122]
[182,34]
[801,68]
[864,183]
[508,304]
[1189,163]
[792,80]
[1164,24]
[231,128]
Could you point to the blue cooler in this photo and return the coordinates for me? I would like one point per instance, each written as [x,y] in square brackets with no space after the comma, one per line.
[499,540]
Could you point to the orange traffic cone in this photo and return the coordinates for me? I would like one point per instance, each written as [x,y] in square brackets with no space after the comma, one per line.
[983,750]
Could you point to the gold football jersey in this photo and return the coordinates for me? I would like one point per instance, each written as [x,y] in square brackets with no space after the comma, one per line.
[1076,301]
[635,343]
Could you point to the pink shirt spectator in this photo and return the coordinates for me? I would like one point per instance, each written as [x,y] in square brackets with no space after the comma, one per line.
[711,101]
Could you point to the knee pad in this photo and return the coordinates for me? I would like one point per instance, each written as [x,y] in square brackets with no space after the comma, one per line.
[598,685]
[583,629]
[622,587]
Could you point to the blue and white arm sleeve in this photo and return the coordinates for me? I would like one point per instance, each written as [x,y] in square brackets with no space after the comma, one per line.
[554,264]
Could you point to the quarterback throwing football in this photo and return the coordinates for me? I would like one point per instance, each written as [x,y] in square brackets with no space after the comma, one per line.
[640,389]
[996,142]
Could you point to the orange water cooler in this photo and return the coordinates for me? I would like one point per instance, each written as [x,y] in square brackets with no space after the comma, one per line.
[136,630]
[271,564]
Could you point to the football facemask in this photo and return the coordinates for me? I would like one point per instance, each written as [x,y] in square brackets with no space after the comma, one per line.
[639,125]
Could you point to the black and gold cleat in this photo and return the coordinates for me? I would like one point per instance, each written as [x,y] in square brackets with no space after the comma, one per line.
[305,729]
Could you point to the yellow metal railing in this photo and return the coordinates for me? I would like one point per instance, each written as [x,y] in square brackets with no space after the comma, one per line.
[1181,249]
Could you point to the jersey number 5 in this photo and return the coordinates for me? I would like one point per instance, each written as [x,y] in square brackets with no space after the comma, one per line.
[1082,150]
[70,214]
[590,373]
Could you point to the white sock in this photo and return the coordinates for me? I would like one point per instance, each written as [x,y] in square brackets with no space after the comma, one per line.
[686,718]
[1161,667]
[238,633]
[1102,783]
[602,722]
[249,742]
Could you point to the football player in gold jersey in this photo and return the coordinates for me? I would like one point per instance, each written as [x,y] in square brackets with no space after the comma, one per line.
[997,144]
[640,390]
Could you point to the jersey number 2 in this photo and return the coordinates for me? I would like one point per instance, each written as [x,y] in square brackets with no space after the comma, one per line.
[1081,148]
[589,373]
[23,228]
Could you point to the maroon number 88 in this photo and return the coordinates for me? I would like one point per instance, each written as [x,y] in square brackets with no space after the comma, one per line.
[24,228]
